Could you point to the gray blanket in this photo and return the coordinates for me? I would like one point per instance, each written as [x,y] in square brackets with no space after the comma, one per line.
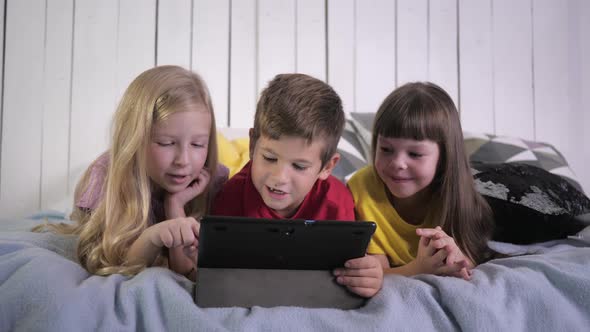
[42,288]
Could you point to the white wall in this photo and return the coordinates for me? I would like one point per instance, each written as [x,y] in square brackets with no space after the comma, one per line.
[516,67]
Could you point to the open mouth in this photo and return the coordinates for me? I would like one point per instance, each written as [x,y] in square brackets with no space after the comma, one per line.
[177,178]
[276,191]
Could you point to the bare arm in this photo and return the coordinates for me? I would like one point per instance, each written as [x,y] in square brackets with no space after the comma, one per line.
[143,250]
[404,270]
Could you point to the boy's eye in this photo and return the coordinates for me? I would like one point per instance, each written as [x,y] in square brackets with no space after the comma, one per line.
[269,159]
[299,167]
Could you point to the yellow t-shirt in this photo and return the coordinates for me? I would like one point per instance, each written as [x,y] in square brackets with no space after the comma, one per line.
[394,237]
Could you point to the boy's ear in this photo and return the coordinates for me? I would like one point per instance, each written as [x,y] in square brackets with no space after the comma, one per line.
[329,166]
[251,143]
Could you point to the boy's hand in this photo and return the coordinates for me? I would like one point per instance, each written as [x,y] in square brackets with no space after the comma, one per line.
[362,276]
[440,254]
[175,203]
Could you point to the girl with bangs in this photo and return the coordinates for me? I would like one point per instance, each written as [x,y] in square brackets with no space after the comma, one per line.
[137,205]
[420,190]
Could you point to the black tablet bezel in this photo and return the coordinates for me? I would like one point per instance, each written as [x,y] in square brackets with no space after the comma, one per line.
[296,244]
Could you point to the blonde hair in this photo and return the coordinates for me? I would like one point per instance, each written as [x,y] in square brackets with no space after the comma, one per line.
[424,111]
[302,106]
[107,233]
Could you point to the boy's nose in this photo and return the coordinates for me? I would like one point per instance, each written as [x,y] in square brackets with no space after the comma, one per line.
[279,174]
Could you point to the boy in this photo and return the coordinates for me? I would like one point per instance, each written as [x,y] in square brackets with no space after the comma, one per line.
[297,126]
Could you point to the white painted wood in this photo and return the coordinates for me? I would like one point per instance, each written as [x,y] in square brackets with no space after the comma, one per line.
[311,38]
[342,50]
[276,39]
[375,53]
[211,52]
[412,41]
[583,14]
[476,77]
[442,46]
[243,70]
[174,32]
[513,86]
[51,133]
[553,117]
[2,4]
[136,41]
[57,86]
[20,171]
[578,16]
[94,95]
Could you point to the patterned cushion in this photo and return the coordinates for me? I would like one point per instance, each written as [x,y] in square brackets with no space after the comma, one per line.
[530,204]
[503,149]
[352,153]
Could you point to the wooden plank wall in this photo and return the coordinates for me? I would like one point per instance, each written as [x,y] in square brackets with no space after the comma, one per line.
[514,67]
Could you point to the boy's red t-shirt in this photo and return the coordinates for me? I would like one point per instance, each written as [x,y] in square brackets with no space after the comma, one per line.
[328,199]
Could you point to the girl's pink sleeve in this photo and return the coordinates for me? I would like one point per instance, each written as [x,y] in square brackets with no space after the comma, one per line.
[221,176]
[90,198]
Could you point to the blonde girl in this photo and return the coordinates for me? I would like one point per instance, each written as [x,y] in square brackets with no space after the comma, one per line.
[139,203]
[419,188]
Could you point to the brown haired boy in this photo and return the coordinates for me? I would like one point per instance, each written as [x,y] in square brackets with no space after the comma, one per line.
[297,126]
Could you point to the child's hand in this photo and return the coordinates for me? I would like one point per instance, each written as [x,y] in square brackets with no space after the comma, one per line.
[181,236]
[440,245]
[174,203]
[362,276]
[175,232]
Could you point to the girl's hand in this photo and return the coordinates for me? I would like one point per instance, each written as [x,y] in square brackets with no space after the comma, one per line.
[362,276]
[174,203]
[175,233]
[454,263]
[181,234]
[428,259]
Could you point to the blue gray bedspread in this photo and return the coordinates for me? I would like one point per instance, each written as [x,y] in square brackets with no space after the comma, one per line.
[42,288]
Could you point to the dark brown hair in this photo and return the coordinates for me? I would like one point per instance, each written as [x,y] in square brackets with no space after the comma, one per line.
[302,106]
[424,111]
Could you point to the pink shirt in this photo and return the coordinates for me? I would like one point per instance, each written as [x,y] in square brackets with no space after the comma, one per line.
[90,198]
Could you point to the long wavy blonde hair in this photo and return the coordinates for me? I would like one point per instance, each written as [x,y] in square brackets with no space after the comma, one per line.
[107,233]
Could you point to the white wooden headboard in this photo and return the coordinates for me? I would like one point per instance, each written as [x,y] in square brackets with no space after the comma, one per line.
[513,67]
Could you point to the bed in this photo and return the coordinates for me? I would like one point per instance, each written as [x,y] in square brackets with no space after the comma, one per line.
[42,288]
[543,286]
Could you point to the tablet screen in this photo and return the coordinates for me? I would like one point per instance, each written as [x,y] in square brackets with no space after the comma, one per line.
[251,243]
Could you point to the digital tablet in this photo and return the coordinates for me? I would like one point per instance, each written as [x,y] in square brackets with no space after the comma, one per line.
[250,243]
[247,262]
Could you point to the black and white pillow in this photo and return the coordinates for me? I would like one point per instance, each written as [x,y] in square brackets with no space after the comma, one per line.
[529,203]
[505,149]
[354,149]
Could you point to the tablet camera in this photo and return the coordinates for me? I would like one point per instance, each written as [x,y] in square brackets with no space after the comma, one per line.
[289,231]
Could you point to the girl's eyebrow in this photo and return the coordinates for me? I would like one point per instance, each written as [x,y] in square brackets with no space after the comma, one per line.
[414,144]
